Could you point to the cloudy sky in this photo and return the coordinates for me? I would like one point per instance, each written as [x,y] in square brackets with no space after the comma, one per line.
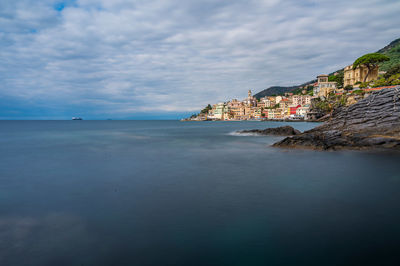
[164,59]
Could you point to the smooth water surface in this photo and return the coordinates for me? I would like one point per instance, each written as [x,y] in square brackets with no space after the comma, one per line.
[189,193]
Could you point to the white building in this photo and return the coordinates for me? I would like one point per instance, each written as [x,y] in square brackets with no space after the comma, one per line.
[217,112]
[324,87]
[302,111]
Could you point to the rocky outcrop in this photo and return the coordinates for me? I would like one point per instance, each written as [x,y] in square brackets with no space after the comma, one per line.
[278,131]
[373,122]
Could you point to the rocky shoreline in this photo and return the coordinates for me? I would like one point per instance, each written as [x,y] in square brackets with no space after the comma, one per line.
[277,131]
[372,123]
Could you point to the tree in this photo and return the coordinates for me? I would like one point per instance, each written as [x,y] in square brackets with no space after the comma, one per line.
[370,61]
[339,78]
[206,109]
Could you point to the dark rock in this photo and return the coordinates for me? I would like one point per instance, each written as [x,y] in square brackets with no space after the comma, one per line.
[373,122]
[278,131]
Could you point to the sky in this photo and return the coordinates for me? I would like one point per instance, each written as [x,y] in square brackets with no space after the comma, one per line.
[140,59]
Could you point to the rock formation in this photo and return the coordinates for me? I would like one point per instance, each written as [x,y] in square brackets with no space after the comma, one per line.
[278,131]
[373,122]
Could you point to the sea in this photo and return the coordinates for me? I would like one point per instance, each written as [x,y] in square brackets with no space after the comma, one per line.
[190,193]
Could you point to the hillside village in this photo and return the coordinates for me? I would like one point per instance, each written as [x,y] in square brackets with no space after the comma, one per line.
[316,100]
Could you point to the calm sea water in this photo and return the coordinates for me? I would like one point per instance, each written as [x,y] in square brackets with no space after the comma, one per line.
[189,193]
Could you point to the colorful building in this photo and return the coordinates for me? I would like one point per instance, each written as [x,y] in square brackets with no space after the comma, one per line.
[353,76]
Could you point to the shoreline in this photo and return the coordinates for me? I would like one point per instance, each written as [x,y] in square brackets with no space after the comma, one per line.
[372,123]
[264,120]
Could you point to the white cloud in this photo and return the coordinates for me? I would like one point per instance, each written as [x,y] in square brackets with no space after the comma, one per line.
[144,56]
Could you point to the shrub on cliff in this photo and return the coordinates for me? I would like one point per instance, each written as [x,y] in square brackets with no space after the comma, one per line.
[358,92]
[348,88]
[392,71]
[363,85]
[390,78]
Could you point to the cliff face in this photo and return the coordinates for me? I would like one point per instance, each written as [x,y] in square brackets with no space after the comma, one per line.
[373,122]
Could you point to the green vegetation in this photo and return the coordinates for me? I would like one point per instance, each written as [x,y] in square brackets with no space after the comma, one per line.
[206,109]
[348,88]
[310,90]
[390,78]
[370,61]
[393,52]
[363,85]
[332,102]
[322,106]
[392,71]
[358,92]
[391,81]
[299,90]
[339,79]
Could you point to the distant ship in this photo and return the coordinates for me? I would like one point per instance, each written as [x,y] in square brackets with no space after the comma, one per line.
[76,118]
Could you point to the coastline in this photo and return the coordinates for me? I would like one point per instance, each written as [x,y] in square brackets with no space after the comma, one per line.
[372,123]
[261,120]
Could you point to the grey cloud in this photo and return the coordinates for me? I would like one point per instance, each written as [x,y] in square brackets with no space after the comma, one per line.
[148,56]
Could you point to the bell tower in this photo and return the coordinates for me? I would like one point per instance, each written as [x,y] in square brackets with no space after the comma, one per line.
[249,94]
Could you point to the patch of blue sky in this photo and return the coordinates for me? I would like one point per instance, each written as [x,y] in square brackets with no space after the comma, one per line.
[59,6]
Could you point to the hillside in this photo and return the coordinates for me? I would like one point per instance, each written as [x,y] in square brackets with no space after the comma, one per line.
[391,50]
[278,90]
[275,90]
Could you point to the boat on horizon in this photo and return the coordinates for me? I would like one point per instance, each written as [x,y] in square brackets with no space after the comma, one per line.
[77,118]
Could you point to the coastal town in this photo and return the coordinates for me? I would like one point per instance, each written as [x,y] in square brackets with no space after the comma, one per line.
[310,101]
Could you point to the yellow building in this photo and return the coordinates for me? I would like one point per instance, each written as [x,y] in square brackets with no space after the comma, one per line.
[257,112]
[284,103]
[275,113]
[236,109]
[352,76]
[248,112]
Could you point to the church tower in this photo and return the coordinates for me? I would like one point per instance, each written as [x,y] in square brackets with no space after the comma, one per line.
[249,94]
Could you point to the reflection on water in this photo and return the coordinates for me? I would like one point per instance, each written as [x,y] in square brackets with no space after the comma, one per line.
[173,193]
[47,238]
